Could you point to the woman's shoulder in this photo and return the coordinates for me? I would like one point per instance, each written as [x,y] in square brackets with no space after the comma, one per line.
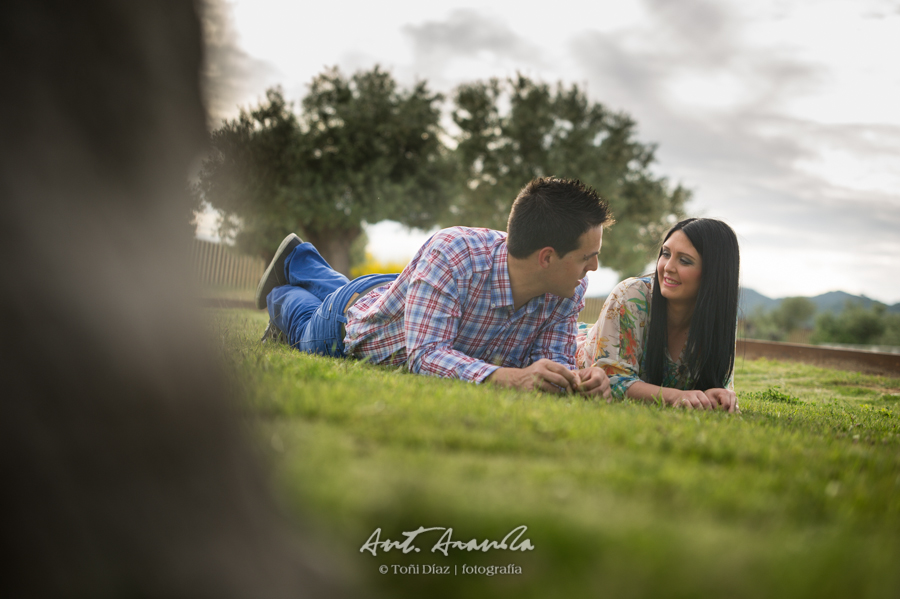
[633,287]
[631,296]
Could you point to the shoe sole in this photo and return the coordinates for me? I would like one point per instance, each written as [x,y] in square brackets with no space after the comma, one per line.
[271,277]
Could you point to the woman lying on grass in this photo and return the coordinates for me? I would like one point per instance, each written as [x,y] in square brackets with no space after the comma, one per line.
[688,309]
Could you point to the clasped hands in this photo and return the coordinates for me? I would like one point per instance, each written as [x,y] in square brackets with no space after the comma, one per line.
[550,376]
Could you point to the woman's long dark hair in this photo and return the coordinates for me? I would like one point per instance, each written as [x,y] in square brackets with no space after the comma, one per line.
[709,352]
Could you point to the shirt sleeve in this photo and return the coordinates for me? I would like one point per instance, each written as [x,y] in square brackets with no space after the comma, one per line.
[614,343]
[581,354]
[431,322]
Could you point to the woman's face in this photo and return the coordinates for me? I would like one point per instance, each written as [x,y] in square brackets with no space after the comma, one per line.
[679,268]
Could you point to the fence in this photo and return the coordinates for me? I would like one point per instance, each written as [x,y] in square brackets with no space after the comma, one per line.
[217,265]
[825,357]
[591,311]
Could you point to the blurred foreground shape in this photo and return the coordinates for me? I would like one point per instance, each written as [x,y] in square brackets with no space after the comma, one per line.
[125,467]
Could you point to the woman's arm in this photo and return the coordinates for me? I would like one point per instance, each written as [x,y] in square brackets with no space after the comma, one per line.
[671,396]
[711,399]
[614,342]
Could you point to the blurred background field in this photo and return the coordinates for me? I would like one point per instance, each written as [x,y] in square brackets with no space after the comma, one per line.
[798,496]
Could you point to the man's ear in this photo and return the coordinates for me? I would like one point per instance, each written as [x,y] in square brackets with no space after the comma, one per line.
[544,256]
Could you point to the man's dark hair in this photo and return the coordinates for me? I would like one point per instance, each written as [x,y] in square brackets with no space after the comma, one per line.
[551,212]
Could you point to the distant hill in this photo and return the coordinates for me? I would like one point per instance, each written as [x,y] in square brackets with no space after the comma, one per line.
[833,301]
[752,300]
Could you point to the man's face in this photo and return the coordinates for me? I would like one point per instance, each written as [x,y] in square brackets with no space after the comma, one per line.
[566,271]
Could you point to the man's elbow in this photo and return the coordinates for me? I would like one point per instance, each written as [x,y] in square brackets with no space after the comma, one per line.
[423,360]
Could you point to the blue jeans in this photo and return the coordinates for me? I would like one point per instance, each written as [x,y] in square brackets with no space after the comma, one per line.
[310,308]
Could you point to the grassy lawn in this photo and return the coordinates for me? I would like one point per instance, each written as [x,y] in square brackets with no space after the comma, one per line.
[798,496]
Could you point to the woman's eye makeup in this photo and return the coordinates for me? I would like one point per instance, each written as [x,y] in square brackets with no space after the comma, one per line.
[686,261]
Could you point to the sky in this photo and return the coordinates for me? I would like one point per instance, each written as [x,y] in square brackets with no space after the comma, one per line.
[782,117]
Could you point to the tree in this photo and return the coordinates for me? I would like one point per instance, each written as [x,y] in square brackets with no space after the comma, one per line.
[372,153]
[250,176]
[792,313]
[558,133]
[857,325]
[360,150]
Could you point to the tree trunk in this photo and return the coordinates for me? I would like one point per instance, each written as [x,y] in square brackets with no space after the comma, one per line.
[334,245]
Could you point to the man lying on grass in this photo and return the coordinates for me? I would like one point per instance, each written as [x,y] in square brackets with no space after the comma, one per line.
[473,304]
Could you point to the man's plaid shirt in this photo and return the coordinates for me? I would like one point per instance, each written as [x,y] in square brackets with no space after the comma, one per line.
[450,313]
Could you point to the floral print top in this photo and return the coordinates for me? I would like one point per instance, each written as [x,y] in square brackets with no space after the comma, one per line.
[616,341]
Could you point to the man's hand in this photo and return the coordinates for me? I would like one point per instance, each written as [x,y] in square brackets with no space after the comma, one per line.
[593,382]
[544,374]
[725,398]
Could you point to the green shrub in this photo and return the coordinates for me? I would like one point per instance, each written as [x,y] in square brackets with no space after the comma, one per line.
[772,394]
[858,325]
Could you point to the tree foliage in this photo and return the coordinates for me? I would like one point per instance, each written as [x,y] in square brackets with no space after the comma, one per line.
[854,325]
[250,174]
[777,324]
[360,149]
[858,325]
[561,133]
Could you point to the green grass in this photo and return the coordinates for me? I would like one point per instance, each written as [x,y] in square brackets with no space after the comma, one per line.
[225,292]
[798,496]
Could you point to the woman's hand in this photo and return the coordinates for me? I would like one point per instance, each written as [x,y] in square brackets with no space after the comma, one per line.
[725,398]
[711,399]
[593,381]
[695,400]
[670,396]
